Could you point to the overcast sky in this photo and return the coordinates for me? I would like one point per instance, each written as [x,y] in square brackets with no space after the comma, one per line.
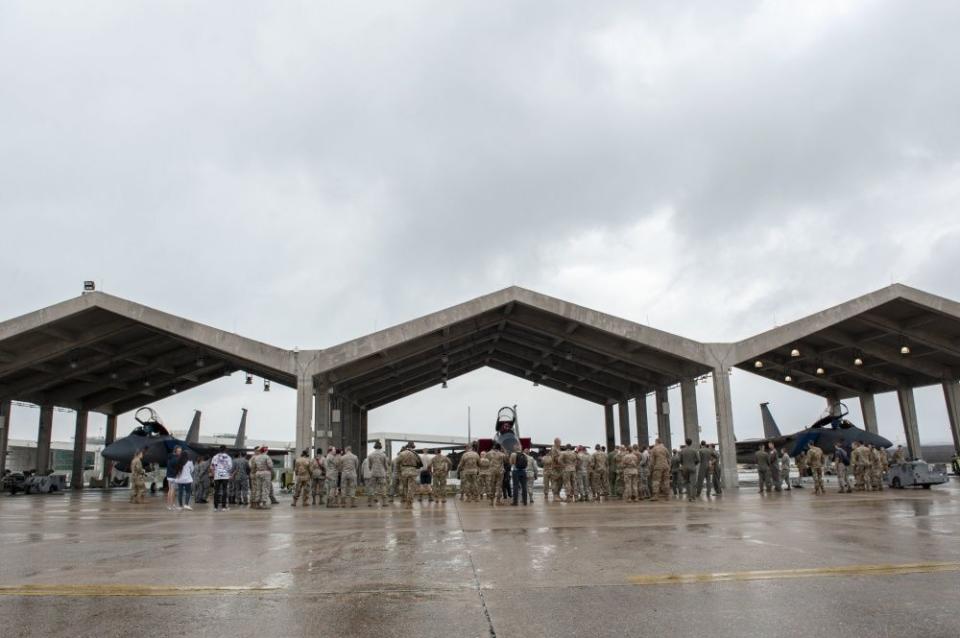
[305,173]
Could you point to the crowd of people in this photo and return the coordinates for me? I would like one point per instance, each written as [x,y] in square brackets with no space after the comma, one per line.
[570,473]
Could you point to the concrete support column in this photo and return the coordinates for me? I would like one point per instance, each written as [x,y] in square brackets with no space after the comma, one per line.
[109,436]
[624,416]
[42,460]
[5,408]
[725,434]
[355,427]
[643,426]
[691,420]
[608,422]
[908,412]
[362,453]
[868,406]
[321,418]
[833,405]
[951,392]
[338,407]
[304,412]
[663,416]
[79,447]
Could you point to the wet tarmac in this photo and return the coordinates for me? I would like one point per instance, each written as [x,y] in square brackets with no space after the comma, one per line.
[790,564]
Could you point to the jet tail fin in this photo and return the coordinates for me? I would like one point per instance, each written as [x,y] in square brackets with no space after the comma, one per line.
[193,434]
[242,431]
[770,429]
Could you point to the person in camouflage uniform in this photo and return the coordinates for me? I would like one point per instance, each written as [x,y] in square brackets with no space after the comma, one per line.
[331,467]
[468,470]
[613,472]
[349,469]
[261,467]
[138,479]
[377,481]
[496,458]
[630,467]
[439,468]
[643,471]
[317,477]
[483,483]
[240,479]
[408,462]
[303,476]
[660,459]
[583,474]
[568,468]
[598,471]
[547,461]
[815,462]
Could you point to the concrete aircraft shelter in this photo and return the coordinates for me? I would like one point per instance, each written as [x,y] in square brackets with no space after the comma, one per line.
[104,354]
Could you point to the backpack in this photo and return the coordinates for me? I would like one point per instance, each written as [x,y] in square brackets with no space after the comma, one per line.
[521,462]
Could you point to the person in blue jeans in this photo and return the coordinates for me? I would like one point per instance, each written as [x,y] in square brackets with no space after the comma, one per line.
[518,460]
[184,481]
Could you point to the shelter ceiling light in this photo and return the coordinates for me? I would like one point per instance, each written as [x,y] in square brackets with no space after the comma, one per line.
[266,385]
[821,371]
[173,390]
[569,356]
[200,362]
[794,353]
[113,375]
[788,378]
[904,349]
[249,379]
[444,385]
[146,384]
[73,364]
[858,361]
[536,384]
[758,364]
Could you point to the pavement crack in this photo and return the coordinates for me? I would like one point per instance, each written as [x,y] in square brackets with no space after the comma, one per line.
[476,577]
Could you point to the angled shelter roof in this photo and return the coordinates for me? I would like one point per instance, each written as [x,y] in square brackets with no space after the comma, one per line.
[99,352]
[576,350]
[855,347]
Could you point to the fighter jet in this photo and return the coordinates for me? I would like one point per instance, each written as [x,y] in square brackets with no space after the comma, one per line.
[152,435]
[827,432]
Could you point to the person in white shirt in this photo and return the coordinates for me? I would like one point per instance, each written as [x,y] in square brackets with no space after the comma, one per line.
[221,469]
[184,481]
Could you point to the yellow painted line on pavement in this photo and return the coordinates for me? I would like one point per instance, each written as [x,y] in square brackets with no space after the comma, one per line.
[107,590]
[779,574]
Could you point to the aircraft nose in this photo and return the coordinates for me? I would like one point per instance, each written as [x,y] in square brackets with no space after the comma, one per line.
[882,442]
[113,452]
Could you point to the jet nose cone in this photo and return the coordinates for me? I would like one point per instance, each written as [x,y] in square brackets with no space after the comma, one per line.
[113,452]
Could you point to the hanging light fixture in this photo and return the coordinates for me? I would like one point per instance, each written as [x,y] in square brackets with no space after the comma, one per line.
[758,364]
[73,364]
[794,353]
[200,362]
[536,384]
[249,380]
[904,349]
[821,371]
[858,362]
[266,385]
[146,384]
[173,390]
[788,378]
[444,384]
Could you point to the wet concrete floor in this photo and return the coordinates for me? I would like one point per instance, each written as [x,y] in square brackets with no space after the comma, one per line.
[790,564]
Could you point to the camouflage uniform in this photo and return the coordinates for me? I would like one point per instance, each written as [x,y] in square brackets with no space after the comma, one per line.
[629,465]
[879,466]
[139,478]
[613,473]
[643,474]
[467,470]
[764,482]
[815,461]
[241,480]
[785,469]
[331,466]
[201,481]
[598,471]
[262,468]
[583,476]
[675,474]
[302,476]
[439,468]
[484,482]
[317,479]
[660,459]
[568,467]
[407,461]
[547,460]
[349,467]
[377,481]
[496,458]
